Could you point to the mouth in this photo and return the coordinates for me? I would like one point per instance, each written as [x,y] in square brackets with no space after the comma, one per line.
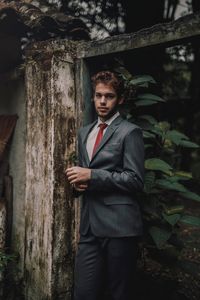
[102,109]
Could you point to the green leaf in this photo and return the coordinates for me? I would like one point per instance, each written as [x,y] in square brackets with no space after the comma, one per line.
[176,209]
[188,144]
[152,97]
[160,236]
[175,186]
[148,99]
[128,116]
[140,80]
[146,146]
[157,131]
[123,71]
[175,178]
[190,195]
[164,126]
[154,191]
[180,139]
[147,134]
[183,175]
[191,220]
[149,118]
[167,144]
[149,181]
[145,125]
[175,136]
[157,164]
[145,102]
[161,128]
[172,219]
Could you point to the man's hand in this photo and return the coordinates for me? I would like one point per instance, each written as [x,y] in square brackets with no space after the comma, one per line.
[78,175]
[80,187]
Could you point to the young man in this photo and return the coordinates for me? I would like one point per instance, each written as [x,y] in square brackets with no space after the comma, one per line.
[110,171]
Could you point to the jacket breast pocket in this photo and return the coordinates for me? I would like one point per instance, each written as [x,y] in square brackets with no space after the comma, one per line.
[118,202]
[113,146]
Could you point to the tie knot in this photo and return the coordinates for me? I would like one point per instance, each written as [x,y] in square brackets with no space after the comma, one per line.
[103,126]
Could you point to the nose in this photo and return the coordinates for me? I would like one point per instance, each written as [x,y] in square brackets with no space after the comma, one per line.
[103,99]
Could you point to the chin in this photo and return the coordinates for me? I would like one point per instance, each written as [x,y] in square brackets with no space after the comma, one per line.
[103,114]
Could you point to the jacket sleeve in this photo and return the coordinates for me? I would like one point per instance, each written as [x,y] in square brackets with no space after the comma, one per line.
[132,176]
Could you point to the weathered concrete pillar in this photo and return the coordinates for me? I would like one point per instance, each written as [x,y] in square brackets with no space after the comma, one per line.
[49,207]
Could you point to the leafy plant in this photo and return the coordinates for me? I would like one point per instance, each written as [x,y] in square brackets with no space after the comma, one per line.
[165,184]
[5,259]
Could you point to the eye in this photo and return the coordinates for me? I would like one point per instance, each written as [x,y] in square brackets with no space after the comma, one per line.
[98,95]
[110,96]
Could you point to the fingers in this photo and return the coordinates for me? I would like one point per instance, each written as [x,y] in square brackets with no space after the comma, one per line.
[72,177]
[74,181]
[78,174]
[76,178]
[71,174]
[80,187]
[71,170]
[80,190]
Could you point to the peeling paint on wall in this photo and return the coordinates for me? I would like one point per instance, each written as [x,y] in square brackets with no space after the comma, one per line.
[49,205]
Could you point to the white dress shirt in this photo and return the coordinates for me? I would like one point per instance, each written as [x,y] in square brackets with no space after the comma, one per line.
[93,134]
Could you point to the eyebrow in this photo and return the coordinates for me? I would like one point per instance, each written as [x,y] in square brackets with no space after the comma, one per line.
[106,94]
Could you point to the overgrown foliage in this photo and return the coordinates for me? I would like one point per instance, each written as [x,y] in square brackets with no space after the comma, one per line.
[165,183]
[5,258]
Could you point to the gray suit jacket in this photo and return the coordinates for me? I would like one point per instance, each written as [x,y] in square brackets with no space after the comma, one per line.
[109,204]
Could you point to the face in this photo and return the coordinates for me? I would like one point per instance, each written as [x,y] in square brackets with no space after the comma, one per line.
[106,101]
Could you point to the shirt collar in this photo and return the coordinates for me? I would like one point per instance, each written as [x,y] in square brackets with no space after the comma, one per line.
[109,121]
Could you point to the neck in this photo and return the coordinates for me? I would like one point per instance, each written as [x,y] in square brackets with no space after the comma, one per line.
[103,119]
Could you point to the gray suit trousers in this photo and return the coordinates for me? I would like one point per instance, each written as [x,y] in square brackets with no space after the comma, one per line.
[105,264]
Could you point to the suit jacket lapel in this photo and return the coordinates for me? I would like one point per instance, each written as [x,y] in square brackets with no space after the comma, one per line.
[108,134]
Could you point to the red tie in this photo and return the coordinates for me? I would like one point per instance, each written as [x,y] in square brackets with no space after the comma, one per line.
[99,136]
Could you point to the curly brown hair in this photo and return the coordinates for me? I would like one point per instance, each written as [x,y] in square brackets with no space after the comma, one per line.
[109,78]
